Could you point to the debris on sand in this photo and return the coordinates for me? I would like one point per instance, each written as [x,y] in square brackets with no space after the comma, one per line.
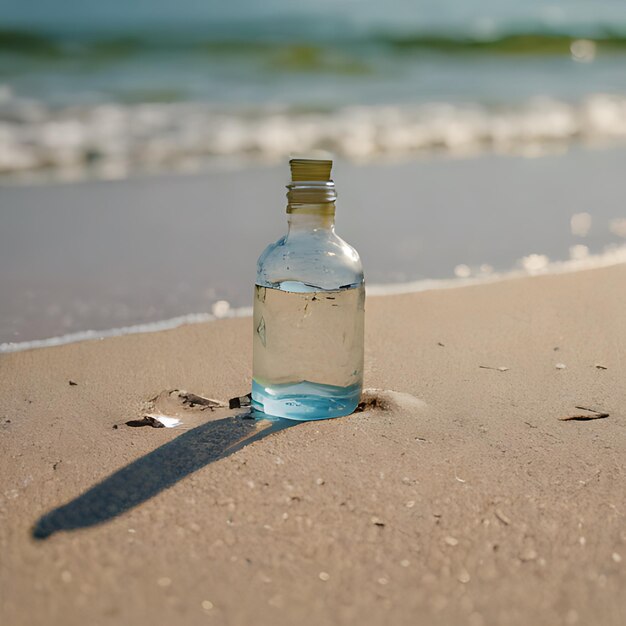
[162,421]
[497,369]
[156,421]
[505,519]
[387,400]
[527,554]
[180,403]
[591,414]
[240,401]
[464,576]
[192,400]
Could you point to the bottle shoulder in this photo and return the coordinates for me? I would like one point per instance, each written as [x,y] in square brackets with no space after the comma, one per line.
[321,260]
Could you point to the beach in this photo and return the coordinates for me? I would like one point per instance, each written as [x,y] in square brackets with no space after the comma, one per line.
[478,151]
[99,255]
[457,496]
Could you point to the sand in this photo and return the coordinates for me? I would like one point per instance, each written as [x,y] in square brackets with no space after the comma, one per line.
[460,499]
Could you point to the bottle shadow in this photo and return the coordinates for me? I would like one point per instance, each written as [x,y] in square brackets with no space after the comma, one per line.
[146,477]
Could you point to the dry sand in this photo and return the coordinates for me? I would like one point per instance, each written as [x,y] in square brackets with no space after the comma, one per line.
[479,507]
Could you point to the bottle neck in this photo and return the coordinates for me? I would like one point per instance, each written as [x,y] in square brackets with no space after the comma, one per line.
[303,218]
[311,206]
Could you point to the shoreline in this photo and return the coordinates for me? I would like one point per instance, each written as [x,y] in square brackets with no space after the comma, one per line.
[107,255]
[616,256]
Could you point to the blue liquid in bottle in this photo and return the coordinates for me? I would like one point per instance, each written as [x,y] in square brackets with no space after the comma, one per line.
[308,309]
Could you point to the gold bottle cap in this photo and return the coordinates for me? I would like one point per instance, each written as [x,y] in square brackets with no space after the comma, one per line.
[308,169]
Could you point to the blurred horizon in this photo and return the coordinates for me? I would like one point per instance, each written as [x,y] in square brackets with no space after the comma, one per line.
[481,16]
[112,91]
[109,90]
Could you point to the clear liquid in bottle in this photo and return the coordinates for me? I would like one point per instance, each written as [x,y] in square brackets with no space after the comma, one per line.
[308,352]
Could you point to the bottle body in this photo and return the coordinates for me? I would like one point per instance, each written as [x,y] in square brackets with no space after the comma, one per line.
[308,352]
[308,323]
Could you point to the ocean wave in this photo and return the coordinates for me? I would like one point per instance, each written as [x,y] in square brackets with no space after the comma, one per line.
[507,43]
[505,39]
[114,140]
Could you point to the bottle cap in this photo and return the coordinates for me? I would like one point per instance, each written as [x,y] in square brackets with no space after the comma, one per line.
[310,169]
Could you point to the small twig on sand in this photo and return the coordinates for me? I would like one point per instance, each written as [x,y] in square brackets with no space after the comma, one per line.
[584,408]
[591,415]
[498,369]
[505,519]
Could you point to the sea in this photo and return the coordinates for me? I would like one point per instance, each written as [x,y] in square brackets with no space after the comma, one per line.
[474,141]
[111,89]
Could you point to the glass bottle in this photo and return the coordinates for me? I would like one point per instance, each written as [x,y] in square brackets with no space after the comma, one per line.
[309,308]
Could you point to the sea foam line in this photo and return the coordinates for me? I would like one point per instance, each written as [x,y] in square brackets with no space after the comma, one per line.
[533,265]
[148,327]
[114,140]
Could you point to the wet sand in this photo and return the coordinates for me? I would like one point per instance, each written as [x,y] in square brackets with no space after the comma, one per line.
[101,255]
[457,496]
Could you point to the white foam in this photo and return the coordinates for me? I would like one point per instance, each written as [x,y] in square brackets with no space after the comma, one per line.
[149,327]
[613,255]
[618,227]
[113,140]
